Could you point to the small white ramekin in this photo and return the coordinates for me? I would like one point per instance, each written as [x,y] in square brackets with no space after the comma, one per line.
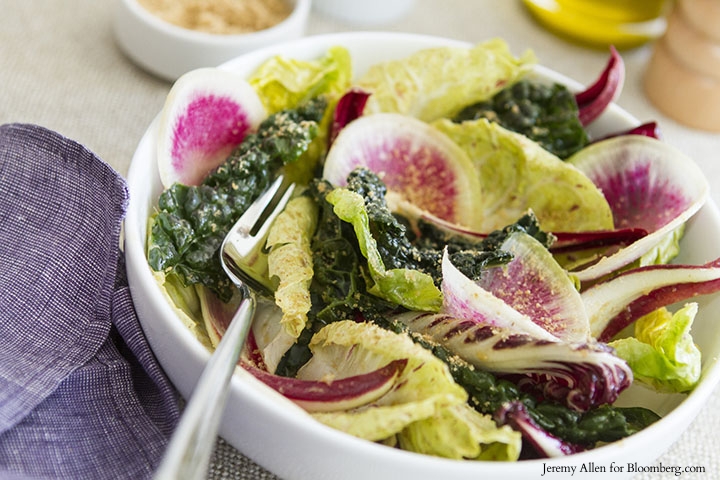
[168,51]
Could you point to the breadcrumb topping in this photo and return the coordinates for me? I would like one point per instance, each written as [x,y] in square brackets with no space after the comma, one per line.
[220,16]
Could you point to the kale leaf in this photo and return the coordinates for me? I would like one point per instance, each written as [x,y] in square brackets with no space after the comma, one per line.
[547,114]
[399,248]
[192,221]
[606,423]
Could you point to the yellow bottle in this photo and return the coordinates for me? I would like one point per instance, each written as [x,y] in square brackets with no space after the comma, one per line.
[600,23]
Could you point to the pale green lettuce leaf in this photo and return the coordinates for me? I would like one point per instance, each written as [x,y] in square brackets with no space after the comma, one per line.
[348,348]
[423,410]
[662,353]
[460,432]
[517,174]
[284,83]
[439,82]
[412,289]
[185,302]
[290,261]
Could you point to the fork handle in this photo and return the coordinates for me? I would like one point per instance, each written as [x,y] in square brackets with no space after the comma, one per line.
[192,443]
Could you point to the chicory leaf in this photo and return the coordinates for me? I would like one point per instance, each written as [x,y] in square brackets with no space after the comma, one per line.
[614,304]
[594,100]
[487,332]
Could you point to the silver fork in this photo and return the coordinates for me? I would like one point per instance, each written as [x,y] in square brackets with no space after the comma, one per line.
[190,448]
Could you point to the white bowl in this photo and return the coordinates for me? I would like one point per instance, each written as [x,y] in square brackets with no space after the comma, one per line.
[283,438]
[168,51]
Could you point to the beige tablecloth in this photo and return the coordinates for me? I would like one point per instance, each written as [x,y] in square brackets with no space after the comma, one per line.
[60,68]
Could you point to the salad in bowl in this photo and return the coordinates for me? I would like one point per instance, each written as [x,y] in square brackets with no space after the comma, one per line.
[484,265]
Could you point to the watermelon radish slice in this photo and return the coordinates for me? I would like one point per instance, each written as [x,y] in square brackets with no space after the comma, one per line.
[413,159]
[207,113]
[498,331]
[648,185]
[579,375]
[463,298]
[534,284]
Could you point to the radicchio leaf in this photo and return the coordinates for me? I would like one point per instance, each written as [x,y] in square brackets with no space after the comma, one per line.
[544,443]
[349,107]
[580,375]
[486,331]
[595,99]
[616,303]
[564,241]
[649,129]
[333,395]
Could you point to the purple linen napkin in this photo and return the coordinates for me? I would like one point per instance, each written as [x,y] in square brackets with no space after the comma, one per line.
[81,395]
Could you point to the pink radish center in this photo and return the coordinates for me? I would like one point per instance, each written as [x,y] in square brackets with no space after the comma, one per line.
[420,172]
[205,135]
[647,201]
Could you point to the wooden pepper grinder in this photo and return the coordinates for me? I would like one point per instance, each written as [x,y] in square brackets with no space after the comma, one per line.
[683,75]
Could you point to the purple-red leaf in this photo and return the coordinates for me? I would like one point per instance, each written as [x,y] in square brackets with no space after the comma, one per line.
[576,241]
[515,415]
[564,241]
[333,395]
[649,129]
[616,303]
[595,99]
[349,107]
[578,375]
